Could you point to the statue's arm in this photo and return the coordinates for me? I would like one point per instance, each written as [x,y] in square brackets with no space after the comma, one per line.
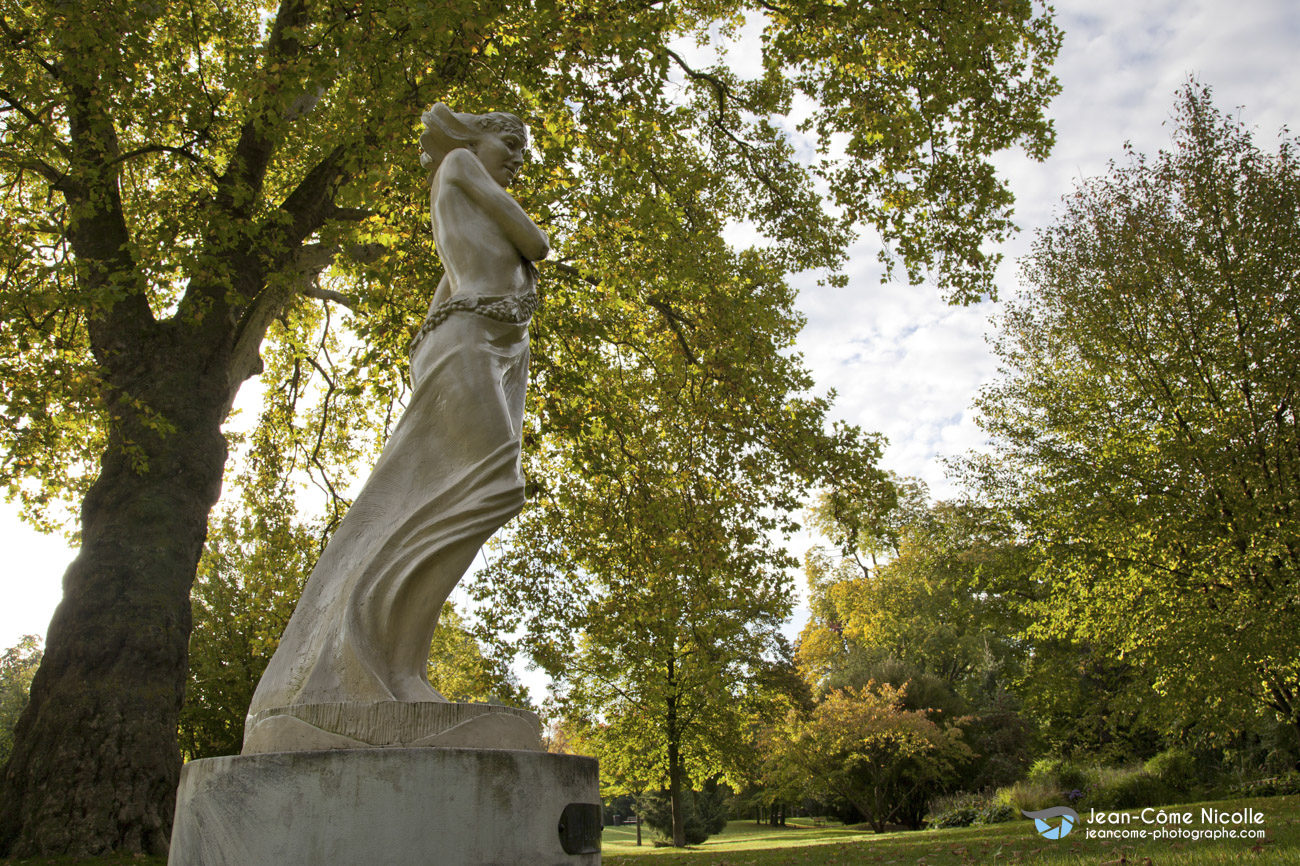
[462,168]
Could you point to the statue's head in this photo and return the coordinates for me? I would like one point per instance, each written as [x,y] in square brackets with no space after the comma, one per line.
[445,130]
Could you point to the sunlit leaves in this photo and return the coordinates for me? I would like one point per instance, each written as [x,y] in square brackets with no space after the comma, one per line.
[1145,428]
[642,158]
[861,747]
[943,601]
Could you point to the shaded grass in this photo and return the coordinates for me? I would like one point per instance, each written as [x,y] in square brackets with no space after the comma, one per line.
[745,844]
[739,835]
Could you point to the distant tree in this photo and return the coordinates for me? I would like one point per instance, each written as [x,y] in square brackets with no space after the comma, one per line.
[943,609]
[625,773]
[1002,737]
[1144,429]
[935,611]
[461,670]
[17,666]
[644,576]
[862,747]
[1087,704]
[864,514]
[658,663]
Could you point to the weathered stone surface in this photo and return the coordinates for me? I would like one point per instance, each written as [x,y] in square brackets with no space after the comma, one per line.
[391,723]
[387,807]
[449,475]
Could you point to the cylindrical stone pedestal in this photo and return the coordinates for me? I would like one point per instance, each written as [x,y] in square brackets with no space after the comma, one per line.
[389,807]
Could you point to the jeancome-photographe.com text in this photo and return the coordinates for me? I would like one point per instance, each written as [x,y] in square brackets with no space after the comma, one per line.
[1205,823]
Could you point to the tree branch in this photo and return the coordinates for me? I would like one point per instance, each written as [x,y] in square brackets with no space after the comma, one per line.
[165,148]
[22,40]
[723,92]
[99,236]
[57,179]
[720,88]
[240,185]
[331,295]
[350,214]
[311,203]
[574,272]
[675,319]
[17,106]
[311,259]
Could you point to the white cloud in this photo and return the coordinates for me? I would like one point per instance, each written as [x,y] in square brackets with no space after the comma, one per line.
[908,366]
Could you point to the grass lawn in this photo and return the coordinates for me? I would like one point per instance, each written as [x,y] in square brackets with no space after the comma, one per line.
[746,844]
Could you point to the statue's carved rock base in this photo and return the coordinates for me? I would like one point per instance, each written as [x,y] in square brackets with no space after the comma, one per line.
[389,807]
[391,724]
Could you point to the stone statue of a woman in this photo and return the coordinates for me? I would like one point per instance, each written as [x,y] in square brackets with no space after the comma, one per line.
[350,670]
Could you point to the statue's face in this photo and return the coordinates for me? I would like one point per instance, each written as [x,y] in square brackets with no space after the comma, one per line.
[502,153]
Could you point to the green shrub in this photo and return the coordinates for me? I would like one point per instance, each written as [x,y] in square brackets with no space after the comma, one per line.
[1175,768]
[996,813]
[954,810]
[1275,787]
[962,816]
[963,810]
[1125,788]
[1061,772]
[1029,796]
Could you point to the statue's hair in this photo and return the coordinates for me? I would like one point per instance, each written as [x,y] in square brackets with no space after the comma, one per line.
[445,130]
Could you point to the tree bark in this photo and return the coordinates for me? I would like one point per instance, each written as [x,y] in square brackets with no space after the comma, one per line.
[675,795]
[675,764]
[95,760]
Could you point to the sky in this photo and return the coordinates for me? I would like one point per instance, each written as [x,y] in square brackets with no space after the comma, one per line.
[901,361]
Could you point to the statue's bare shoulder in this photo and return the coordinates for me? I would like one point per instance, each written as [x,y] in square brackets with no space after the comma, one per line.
[463,170]
[463,163]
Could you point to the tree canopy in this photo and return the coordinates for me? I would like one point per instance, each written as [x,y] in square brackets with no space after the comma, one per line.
[1144,427]
[945,606]
[214,147]
[191,192]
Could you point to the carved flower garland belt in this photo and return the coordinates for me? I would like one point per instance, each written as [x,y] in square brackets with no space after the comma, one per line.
[515,310]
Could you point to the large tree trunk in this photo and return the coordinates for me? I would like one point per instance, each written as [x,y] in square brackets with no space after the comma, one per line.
[95,760]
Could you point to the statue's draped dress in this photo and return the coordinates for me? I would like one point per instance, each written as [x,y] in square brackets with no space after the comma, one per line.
[447,479]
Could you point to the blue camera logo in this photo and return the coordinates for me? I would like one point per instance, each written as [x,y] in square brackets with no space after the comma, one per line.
[1068,817]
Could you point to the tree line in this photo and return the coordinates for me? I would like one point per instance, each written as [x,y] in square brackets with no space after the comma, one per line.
[1115,589]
